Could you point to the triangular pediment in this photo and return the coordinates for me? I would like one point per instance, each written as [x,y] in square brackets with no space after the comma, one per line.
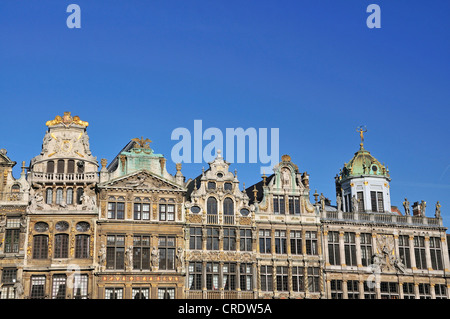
[142,180]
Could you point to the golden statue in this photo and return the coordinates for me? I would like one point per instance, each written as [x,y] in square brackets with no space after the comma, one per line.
[361,130]
[67,120]
[141,143]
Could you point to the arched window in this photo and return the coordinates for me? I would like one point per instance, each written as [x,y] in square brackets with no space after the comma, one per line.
[50,167]
[49,196]
[228,206]
[69,196]
[59,196]
[15,188]
[60,168]
[211,206]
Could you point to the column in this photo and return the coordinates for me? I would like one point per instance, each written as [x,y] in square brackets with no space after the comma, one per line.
[358,249]
[427,252]
[412,253]
[444,249]
[341,248]
[400,290]
[344,289]
[361,289]
[325,250]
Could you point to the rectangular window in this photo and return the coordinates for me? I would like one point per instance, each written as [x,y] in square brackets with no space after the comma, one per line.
[141,211]
[333,248]
[229,276]
[311,242]
[350,249]
[195,238]
[408,290]
[294,205]
[11,240]
[266,276]
[265,241]
[9,277]
[403,249]
[389,290]
[436,253]
[366,249]
[246,277]
[369,290]
[353,289]
[245,240]
[166,293]
[229,239]
[296,242]
[37,287]
[195,276]
[115,252]
[282,278]
[440,291]
[141,252]
[140,293]
[80,287]
[380,202]
[61,246]
[59,287]
[212,239]
[424,291]
[40,247]
[336,289]
[212,276]
[360,197]
[82,246]
[419,252]
[313,279]
[280,241]
[166,212]
[297,278]
[166,245]
[113,293]
[278,204]
[116,210]
[373,201]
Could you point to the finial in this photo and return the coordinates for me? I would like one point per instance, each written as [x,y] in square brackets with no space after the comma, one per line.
[255,192]
[316,195]
[264,177]
[218,153]
[23,167]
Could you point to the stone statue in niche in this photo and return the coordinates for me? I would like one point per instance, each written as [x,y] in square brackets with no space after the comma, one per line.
[285,177]
[85,142]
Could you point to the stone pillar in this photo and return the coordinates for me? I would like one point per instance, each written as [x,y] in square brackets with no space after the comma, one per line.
[432,291]
[358,249]
[361,289]
[427,252]
[444,250]
[341,248]
[412,253]
[326,257]
[328,292]
[344,289]
[400,290]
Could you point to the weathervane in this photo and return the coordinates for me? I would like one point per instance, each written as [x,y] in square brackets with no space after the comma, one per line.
[361,130]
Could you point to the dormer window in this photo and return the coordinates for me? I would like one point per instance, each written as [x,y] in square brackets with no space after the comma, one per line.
[211,185]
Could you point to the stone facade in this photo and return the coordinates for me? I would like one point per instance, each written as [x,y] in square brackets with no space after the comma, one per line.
[133,230]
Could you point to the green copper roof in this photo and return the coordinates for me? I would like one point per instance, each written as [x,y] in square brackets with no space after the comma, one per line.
[363,163]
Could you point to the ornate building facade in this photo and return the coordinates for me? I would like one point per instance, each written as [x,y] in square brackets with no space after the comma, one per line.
[132,230]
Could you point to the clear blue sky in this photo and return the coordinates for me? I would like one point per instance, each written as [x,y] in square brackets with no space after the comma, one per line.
[310,68]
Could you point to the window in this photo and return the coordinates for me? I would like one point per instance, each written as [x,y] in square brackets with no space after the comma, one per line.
[278,204]
[245,240]
[336,289]
[229,276]
[333,248]
[141,252]
[80,287]
[69,196]
[141,210]
[59,287]
[83,226]
[228,206]
[211,206]
[195,238]
[419,252]
[12,233]
[265,241]
[166,245]
[297,278]
[311,242]
[82,246]
[70,166]
[115,252]
[436,253]
[380,202]
[212,239]
[266,276]
[280,241]
[116,210]
[140,293]
[403,249]
[350,249]
[61,246]
[60,167]
[9,277]
[166,293]
[113,293]
[377,202]
[424,291]
[59,196]
[440,291]
[246,277]
[389,290]
[49,196]
[366,249]
[212,276]
[195,276]
[294,205]
[166,211]
[40,247]
[295,242]
[80,193]
[227,186]
[369,291]
[80,167]
[353,289]
[50,167]
[360,197]
[211,185]
[37,287]
[229,239]
[408,291]
[313,279]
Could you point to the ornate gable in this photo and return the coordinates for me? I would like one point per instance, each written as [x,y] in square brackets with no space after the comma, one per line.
[142,180]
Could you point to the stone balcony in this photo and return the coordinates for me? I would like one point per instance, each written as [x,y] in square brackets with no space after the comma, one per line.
[381,218]
[38,177]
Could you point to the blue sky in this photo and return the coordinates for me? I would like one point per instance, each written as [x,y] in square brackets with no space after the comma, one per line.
[310,68]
